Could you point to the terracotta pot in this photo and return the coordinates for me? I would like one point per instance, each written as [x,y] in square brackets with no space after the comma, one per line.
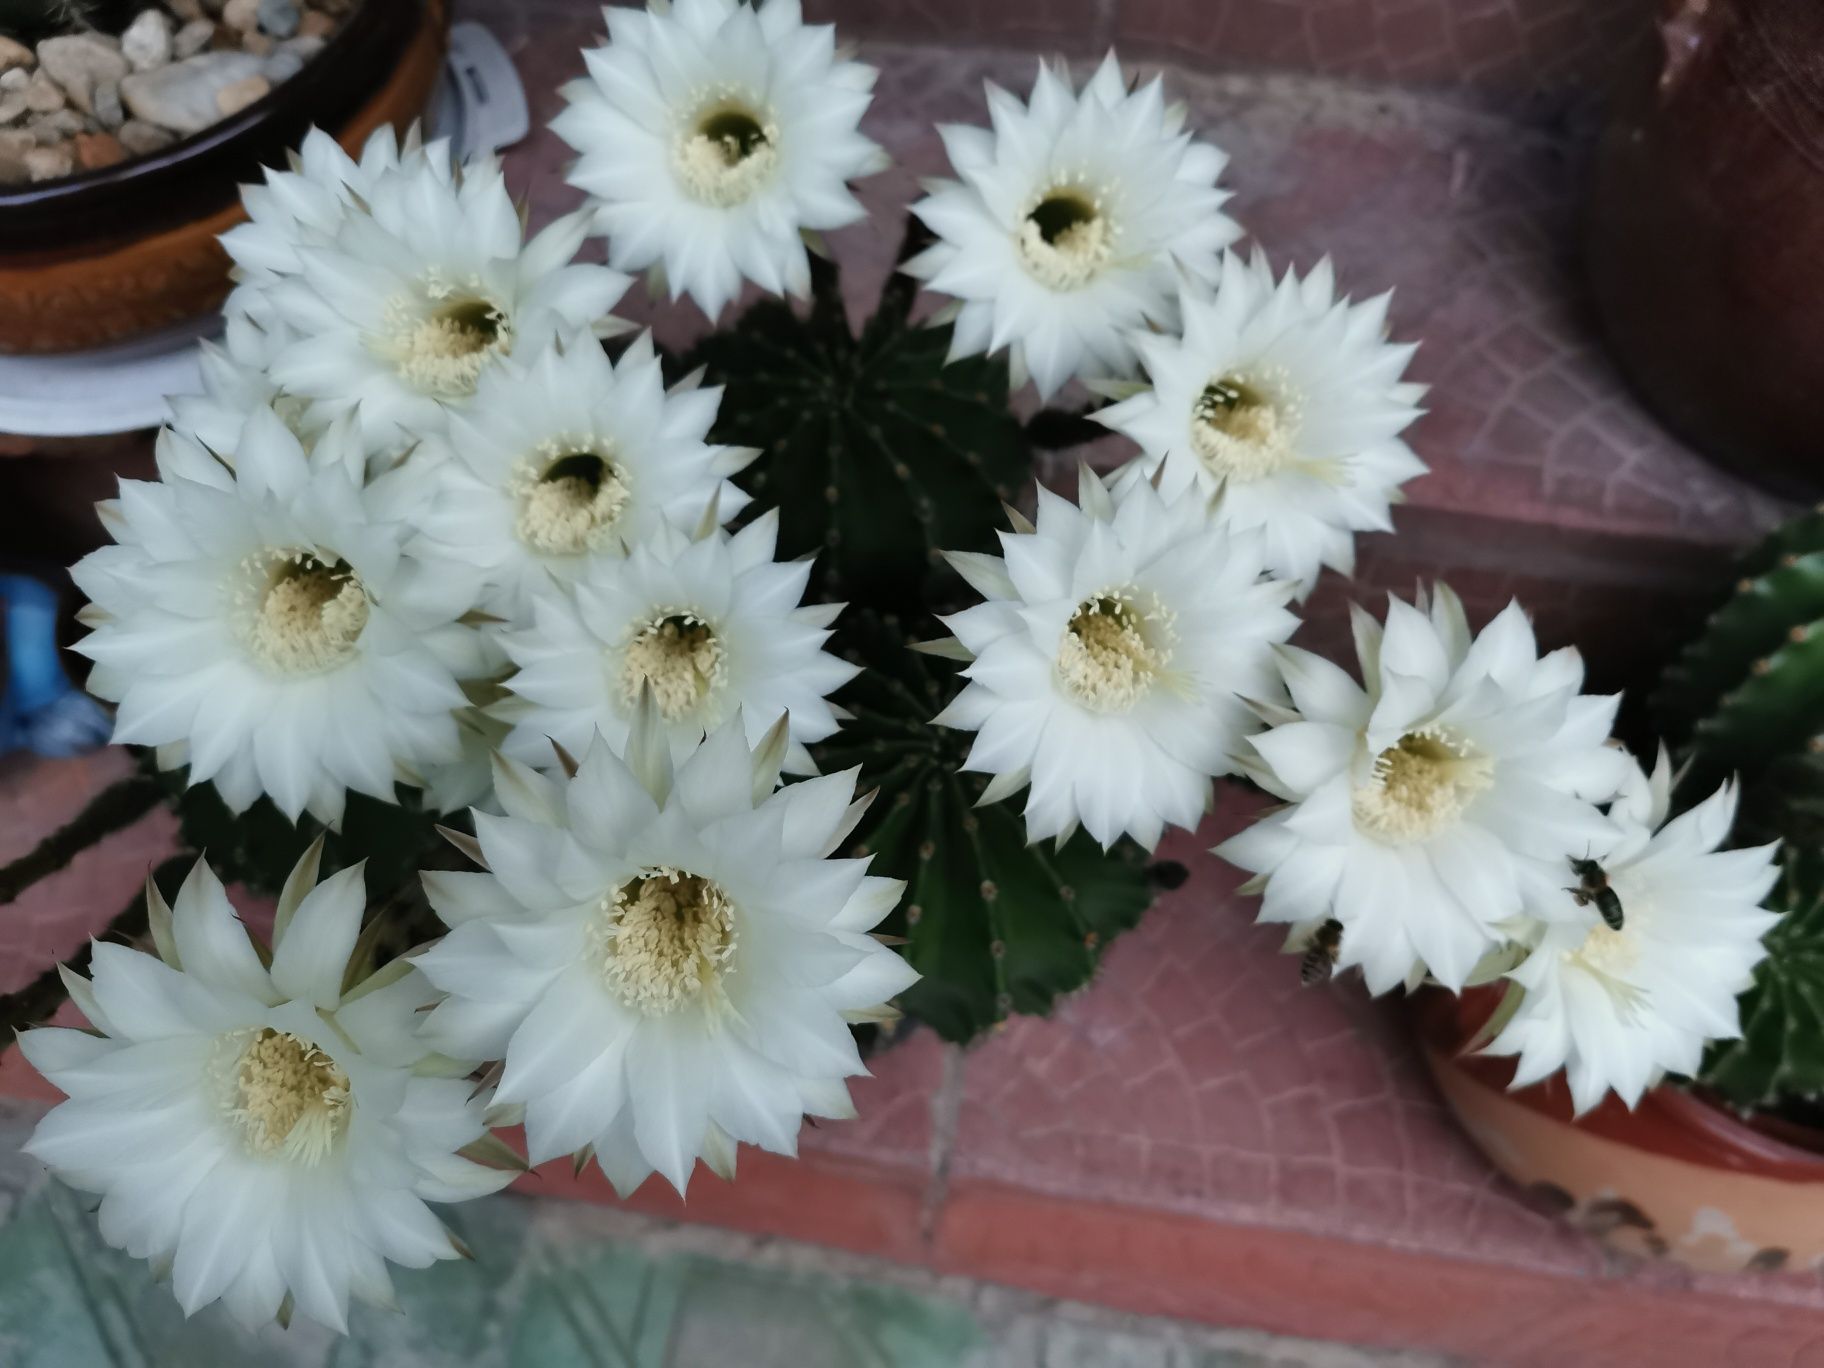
[112,254]
[1677,1178]
[1707,213]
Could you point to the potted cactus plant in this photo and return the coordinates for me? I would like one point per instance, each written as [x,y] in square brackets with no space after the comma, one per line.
[1724,1170]
[477,601]
[451,590]
[930,454]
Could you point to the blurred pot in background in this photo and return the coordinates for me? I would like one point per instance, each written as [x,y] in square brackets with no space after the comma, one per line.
[114,253]
[1705,233]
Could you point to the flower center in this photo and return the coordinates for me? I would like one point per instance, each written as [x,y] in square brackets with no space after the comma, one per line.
[569,501]
[1113,651]
[665,939]
[726,154]
[1611,957]
[1421,784]
[1243,426]
[680,656]
[1608,952]
[1065,239]
[442,342]
[288,1098]
[304,614]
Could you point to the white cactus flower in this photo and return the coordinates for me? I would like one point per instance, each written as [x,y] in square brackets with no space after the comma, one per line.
[666,957]
[268,1135]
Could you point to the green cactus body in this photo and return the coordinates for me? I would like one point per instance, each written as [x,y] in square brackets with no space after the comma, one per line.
[1780,1056]
[1799,536]
[257,848]
[995,926]
[878,454]
[1748,693]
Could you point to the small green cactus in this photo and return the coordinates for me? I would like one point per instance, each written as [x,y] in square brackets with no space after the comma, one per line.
[1780,1055]
[995,926]
[1747,696]
[878,455]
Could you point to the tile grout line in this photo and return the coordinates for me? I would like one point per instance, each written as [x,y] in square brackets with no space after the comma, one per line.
[946,1107]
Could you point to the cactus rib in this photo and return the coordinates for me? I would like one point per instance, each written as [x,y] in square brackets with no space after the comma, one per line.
[996,926]
[1761,613]
[1747,696]
[877,451]
[1776,710]
[1780,1053]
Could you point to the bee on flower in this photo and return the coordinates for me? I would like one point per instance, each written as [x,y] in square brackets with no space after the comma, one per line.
[1618,1004]
[1430,807]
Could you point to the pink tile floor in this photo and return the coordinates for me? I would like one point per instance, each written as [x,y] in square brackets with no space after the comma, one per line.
[1550,47]
[54,916]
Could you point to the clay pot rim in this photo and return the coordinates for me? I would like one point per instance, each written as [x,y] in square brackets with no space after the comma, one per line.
[1672,1121]
[313,88]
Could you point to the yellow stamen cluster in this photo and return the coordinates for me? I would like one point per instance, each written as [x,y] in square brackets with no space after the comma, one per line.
[1420,785]
[1112,652]
[302,614]
[665,939]
[680,657]
[1245,426]
[1609,952]
[288,1098]
[1612,956]
[571,495]
[443,341]
[1066,238]
[726,153]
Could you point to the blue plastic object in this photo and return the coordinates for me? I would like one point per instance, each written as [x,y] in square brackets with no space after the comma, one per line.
[40,710]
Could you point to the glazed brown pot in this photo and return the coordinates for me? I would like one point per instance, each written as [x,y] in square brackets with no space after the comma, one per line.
[129,249]
[1706,236]
[1677,1178]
